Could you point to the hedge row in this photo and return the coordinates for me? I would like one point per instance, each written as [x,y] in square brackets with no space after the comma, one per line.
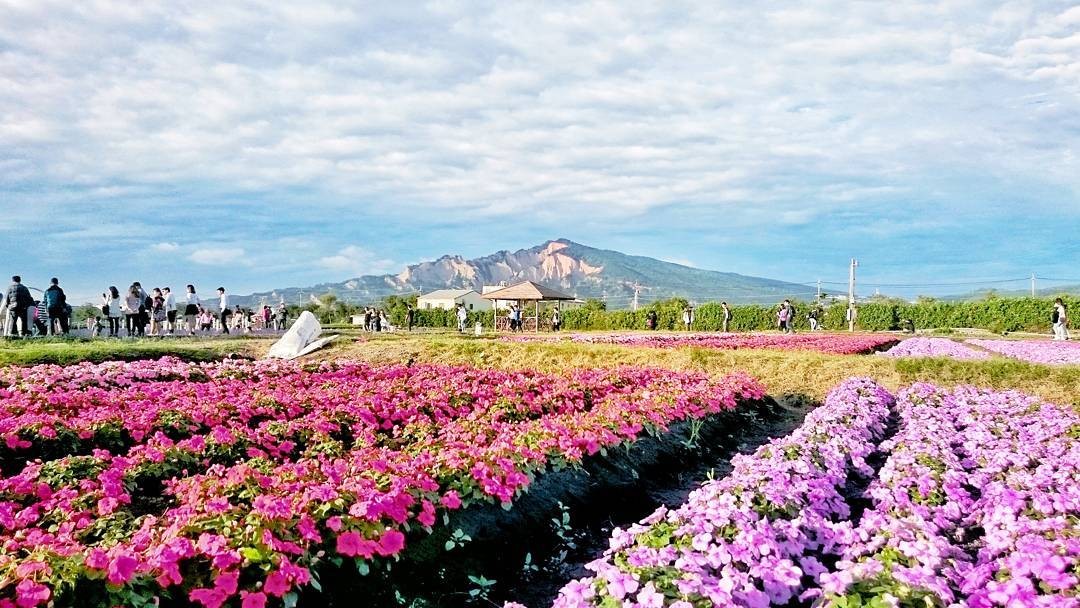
[997,315]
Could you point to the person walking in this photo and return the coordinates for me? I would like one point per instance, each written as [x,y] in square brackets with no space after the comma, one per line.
[812,317]
[112,309]
[170,310]
[726,322]
[783,316]
[191,309]
[19,301]
[225,311]
[56,306]
[1060,319]
[556,320]
[267,317]
[410,316]
[376,320]
[462,315]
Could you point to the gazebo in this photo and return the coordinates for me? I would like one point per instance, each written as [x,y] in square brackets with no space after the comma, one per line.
[523,292]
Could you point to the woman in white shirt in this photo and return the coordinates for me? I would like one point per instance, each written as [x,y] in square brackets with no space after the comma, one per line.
[191,309]
[1061,320]
[132,302]
[111,304]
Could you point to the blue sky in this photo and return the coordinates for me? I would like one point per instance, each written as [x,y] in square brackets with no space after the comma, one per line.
[263,145]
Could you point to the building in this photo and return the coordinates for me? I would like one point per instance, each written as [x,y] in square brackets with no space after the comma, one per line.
[450,298]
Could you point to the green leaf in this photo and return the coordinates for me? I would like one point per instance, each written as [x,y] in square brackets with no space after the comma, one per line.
[251,554]
[290,599]
[449,545]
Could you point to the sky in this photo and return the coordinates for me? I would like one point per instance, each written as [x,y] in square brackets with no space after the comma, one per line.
[272,144]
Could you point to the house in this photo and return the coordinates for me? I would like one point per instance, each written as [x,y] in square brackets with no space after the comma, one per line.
[450,298]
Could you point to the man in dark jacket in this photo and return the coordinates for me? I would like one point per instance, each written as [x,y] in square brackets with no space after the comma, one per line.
[19,302]
[56,303]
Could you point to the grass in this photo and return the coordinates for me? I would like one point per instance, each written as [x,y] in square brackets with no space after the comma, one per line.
[73,350]
[783,372]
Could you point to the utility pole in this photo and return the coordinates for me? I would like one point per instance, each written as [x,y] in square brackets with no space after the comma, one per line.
[851,294]
[1033,284]
[636,291]
[819,290]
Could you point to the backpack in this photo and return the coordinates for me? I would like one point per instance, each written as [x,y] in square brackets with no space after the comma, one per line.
[1054,316]
[54,298]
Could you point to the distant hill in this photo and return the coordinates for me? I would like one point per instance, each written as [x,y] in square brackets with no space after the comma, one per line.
[576,269]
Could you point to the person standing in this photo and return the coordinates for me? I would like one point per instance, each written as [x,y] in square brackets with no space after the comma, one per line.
[133,303]
[144,309]
[650,320]
[19,302]
[812,316]
[158,316]
[410,316]
[283,315]
[170,310]
[688,317]
[462,315]
[267,317]
[556,320]
[56,305]
[727,316]
[112,308]
[191,309]
[1060,318]
[225,311]
[376,320]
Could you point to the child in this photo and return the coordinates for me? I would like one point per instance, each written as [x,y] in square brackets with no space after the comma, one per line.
[95,326]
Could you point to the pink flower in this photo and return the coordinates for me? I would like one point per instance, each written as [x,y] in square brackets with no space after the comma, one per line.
[121,569]
[227,582]
[451,500]
[252,600]
[276,584]
[353,544]
[391,543]
[29,593]
[211,598]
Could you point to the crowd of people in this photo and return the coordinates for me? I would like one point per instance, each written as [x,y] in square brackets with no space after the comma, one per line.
[136,312]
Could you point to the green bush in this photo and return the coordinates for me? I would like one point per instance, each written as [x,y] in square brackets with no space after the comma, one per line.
[997,315]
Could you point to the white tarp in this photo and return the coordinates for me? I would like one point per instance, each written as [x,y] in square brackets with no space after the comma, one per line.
[301,339]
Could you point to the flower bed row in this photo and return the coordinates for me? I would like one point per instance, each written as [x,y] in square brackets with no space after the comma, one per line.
[935,347]
[1035,351]
[230,489]
[977,504]
[757,537]
[838,344]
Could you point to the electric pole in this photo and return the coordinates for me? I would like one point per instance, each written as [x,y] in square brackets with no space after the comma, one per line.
[851,294]
[1033,284]
[819,290]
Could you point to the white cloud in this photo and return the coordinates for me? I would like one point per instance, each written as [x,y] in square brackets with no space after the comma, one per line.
[518,108]
[219,256]
[165,247]
[354,261]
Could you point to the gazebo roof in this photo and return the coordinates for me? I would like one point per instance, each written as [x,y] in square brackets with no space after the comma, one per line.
[527,290]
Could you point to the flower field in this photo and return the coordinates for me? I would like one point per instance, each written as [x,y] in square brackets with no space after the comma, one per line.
[976,504]
[836,344]
[1035,351]
[225,484]
[935,347]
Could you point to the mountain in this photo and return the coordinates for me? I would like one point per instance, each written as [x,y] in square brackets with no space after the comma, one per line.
[565,265]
